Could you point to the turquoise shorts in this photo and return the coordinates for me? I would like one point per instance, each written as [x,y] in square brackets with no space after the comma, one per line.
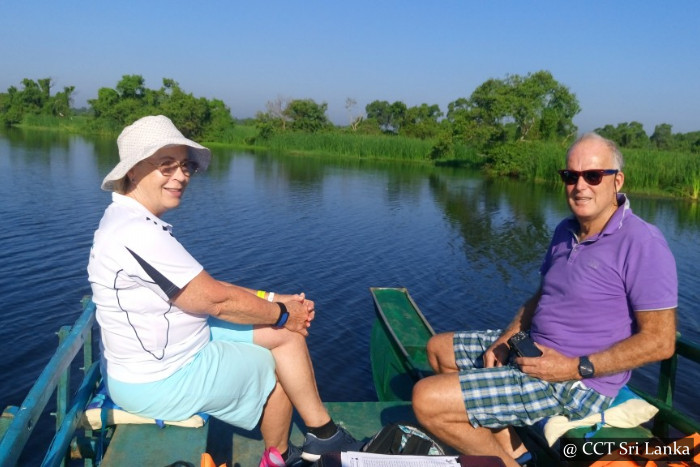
[230,379]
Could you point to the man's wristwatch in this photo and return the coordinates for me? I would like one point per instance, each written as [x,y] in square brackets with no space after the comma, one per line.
[585,367]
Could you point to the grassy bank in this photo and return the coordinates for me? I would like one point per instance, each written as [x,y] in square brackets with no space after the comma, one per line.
[649,172]
[362,146]
[668,173]
[77,124]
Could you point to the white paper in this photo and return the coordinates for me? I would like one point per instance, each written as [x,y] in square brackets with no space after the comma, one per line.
[366,459]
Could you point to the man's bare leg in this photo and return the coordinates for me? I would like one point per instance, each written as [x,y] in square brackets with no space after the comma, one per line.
[510,441]
[438,405]
[441,354]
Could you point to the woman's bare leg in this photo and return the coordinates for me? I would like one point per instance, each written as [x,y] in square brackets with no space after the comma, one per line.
[295,372]
[276,419]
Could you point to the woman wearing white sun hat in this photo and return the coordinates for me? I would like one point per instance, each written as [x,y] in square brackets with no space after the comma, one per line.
[175,341]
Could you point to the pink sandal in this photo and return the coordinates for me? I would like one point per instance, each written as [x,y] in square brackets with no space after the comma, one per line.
[272,458]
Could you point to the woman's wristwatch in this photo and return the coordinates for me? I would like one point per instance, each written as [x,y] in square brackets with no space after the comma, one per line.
[284,315]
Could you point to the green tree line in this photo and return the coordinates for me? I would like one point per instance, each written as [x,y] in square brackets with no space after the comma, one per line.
[517,108]
[534,107]
[114,108]
[34,98]
[494,128]
[632,135]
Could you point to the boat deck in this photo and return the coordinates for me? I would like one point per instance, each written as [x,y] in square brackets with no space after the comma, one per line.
[362,420]
[151,445]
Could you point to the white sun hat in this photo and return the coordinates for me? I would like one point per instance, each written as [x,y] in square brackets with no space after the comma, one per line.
[143,138]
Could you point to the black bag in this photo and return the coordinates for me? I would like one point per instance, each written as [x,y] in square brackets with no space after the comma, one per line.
[404,438]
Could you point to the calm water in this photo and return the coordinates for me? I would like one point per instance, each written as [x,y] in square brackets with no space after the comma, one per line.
[467,249]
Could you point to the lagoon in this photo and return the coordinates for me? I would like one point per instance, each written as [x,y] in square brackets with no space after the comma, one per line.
[467,248]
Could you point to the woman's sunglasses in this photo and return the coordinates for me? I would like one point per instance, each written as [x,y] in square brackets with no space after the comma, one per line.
[169,166]
[592,177]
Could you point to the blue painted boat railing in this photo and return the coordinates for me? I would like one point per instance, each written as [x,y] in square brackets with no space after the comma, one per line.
[56,378]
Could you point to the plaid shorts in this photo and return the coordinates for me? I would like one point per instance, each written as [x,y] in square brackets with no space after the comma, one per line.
[501,396]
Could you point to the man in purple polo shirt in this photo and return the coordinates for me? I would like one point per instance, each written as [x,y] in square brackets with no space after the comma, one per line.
[606,305]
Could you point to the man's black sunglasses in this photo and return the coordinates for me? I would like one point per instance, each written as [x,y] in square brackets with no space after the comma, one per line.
[592,177]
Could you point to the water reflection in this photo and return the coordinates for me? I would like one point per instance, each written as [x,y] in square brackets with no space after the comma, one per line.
[500,223]
[35,141]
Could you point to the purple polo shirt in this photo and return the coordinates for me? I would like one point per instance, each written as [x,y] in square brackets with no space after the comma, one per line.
[590,290]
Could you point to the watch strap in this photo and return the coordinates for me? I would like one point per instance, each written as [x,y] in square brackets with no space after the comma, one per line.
[284,315]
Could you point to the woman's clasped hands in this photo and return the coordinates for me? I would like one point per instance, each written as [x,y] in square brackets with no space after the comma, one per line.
[301,312]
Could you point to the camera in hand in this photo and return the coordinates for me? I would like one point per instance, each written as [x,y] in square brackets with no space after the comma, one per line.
[523,345]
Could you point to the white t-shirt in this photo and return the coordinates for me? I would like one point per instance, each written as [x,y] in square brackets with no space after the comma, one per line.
[136,266]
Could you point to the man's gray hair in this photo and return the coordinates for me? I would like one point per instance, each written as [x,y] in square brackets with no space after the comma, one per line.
[618,160]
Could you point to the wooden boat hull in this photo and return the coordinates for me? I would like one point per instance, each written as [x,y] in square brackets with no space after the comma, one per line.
[397,346]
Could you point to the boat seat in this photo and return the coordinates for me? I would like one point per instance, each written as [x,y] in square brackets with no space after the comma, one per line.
[624,418]
[103,411]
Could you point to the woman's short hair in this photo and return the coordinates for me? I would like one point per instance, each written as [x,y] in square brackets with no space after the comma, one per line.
[121,186]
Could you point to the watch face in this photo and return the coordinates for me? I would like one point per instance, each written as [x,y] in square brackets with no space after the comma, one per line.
[585,367]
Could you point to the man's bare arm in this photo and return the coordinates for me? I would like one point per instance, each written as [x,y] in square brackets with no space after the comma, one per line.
[654,340]
[523,318]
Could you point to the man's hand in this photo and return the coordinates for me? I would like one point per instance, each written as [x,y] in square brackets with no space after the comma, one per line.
[551,366]
[497,354]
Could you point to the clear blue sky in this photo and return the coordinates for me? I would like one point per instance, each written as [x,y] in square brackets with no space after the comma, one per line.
[624,60]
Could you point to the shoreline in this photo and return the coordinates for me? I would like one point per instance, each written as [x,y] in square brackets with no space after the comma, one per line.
[541,158]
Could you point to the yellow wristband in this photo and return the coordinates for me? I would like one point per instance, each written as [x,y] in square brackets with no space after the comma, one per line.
[261,293]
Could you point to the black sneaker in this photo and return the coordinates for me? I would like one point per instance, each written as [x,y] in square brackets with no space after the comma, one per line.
[340,441]
[272,457]
[293,456]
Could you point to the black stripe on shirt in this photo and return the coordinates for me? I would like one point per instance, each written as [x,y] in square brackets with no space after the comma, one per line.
[170,289]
